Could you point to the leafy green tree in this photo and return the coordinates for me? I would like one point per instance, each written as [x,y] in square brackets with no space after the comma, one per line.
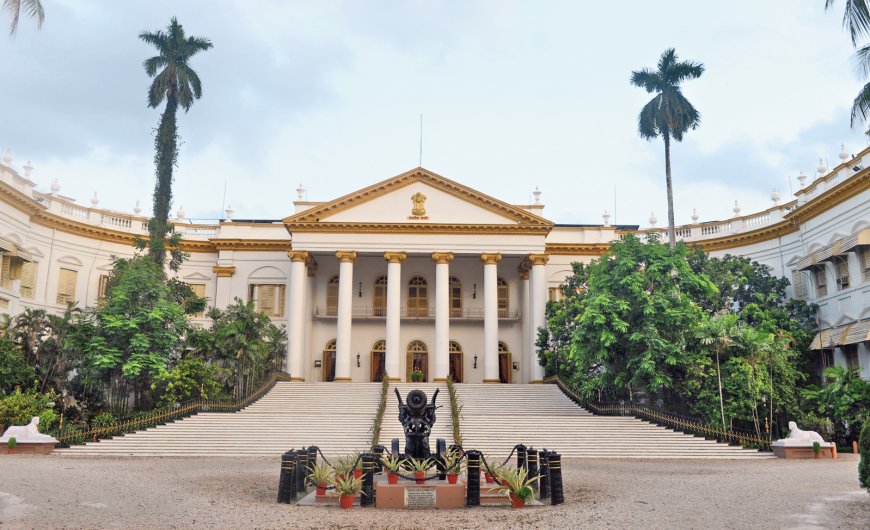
[18,408]
[32,8]
[13,369]
[718,334]
[669,114]
[864,464]
[190,379]
[41,336]
[845,399]
[177,83]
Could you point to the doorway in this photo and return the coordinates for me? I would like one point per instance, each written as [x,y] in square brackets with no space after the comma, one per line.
[455,361]
[417,359]
[329,362]
[504,363]
[379,358]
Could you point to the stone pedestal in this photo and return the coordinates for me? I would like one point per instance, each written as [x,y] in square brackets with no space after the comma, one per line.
[407,494]
[30,449]
[802,452]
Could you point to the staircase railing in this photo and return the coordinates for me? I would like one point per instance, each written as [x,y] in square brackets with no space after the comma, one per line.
[72,434]
[698,427]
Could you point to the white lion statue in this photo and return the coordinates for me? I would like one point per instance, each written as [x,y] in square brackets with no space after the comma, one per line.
[799,438]
[26,433]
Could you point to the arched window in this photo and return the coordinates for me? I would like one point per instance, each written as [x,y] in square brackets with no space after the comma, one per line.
[332,296]
[455,352]
[418,297]
[379,356]
[455,297]
[417,359]
[504,363]
[502,297]
[329,361]
[379,297]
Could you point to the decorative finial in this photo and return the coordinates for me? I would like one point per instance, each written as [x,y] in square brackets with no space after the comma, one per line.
[55,187]
[28,169]
[180,213]
[775,197]
[823,168]
[7,157]
[736,209]
[652,220]
[606,218]
[695,215]
[844,155]
[229,211]
[537,194]
[136,209]
[94,200]
[802,179]
[300,192]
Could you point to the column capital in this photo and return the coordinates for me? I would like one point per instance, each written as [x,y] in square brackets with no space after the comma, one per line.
[538,259]
[346,256]
[223,272]
[490,258]
[298,255]
[395,257]
[442,257]
[524,274]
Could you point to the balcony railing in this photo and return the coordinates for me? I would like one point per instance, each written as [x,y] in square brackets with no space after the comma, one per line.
[413,313]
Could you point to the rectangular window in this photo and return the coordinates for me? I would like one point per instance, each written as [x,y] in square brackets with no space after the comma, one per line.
[799,285]
[28,280]
[268,299]
[4,303]
[66,286]
[553,294]
[821,281]
[101,287]
[865,263]
[6,272]
[850,352]
[841,268]
[199,290]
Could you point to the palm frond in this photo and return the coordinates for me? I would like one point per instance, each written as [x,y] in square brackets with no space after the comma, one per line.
[684,71]
[648,119]
[647,79]
[856,18]
[32,8]
[861,106]
[152,64]
[155,38]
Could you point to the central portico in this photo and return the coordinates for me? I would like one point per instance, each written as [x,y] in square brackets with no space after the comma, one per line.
[416,272]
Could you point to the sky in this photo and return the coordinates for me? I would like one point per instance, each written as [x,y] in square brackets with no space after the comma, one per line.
[514,95]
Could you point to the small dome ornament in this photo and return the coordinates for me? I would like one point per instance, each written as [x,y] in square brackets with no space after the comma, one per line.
[802,179]
[823,168]
[652,220]
[695,216]
[28,169]
[7,157]
[300,192]
[95,200]
[537,194]
[775,197]
[180,214]
[229,212]
[137,209]
[844,155]
[55,187]
[606,217]
[736,209]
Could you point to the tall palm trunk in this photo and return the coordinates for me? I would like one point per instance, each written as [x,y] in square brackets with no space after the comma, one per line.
[721,401]
[166,144]
[671,236]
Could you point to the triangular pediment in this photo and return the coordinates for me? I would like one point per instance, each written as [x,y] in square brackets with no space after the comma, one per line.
[418,198]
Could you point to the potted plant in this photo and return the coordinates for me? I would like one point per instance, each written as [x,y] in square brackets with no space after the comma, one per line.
[393,464]
[357,465]
[10,445]
[344,466]
[495,468]
[346,488]
[417,376]
[452,466]
[320,476]
[517,484]
[817,448]
[419,467]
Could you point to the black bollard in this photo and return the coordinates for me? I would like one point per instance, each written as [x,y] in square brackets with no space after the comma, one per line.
[378,450]
[285,476]
[312,456]
[544,474]
[301,470]
[290,488]
[367,498]
[556,494]
[532,456]
[472,485]
[521,456]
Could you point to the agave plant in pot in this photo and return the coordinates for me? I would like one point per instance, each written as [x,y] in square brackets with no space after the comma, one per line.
[452,465]
[517,484]
[393,463]
[344,466]
[320,476]
[346,488]
[419,467]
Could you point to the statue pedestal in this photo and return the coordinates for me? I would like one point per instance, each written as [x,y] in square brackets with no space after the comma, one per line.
[407,494]
[28,448]
[802,452]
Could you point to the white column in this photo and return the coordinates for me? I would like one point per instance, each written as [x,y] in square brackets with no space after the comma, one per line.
[345,312]
[538,309]
[442,314]
[223,285]
[490,317]
[296,314]
[394,308]
[527,326]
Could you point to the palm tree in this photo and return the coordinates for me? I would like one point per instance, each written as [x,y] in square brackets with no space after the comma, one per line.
[177,83]
[32,8]
[856,17]
[718,333]
[669,114]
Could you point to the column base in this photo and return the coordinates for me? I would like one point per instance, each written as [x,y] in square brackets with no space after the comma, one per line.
[395,379]
[536,382]
[342,380]
[300,379]
[440,380]
[492,381]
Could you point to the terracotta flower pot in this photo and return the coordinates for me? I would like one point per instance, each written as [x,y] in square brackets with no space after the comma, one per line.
[452,478]
[817,455]
[345,501]
[357,473]
[419,478]
[321,490]
[393,478]
[489,479]
[516,502]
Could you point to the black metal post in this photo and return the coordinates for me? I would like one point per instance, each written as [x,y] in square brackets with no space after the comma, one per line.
[521,456]
[532,456]
[368,480]
[285,476]
[544,473]
[556,494]
[312,456]
[293,462]
[472,485]
[379,458]
[302,470]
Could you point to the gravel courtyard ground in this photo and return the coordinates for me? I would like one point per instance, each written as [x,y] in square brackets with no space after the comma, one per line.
[69,492]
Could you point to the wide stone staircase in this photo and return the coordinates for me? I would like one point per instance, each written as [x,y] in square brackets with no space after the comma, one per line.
[337,417]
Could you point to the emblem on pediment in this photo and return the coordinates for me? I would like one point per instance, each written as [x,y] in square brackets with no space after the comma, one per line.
[418,204]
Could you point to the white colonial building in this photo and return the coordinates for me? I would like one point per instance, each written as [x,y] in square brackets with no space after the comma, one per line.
[421,272]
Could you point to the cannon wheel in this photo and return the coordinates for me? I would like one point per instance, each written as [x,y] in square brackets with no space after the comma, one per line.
[394,449]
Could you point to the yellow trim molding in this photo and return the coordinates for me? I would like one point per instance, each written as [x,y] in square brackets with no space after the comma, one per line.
[395,257]
[490,258]
[442,258]
[223,272]
[346,256]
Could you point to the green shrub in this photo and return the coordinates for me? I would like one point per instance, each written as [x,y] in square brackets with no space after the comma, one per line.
[103,419]
[189,379]
[18,408]
[864,450]
[11,443]
[13,368]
